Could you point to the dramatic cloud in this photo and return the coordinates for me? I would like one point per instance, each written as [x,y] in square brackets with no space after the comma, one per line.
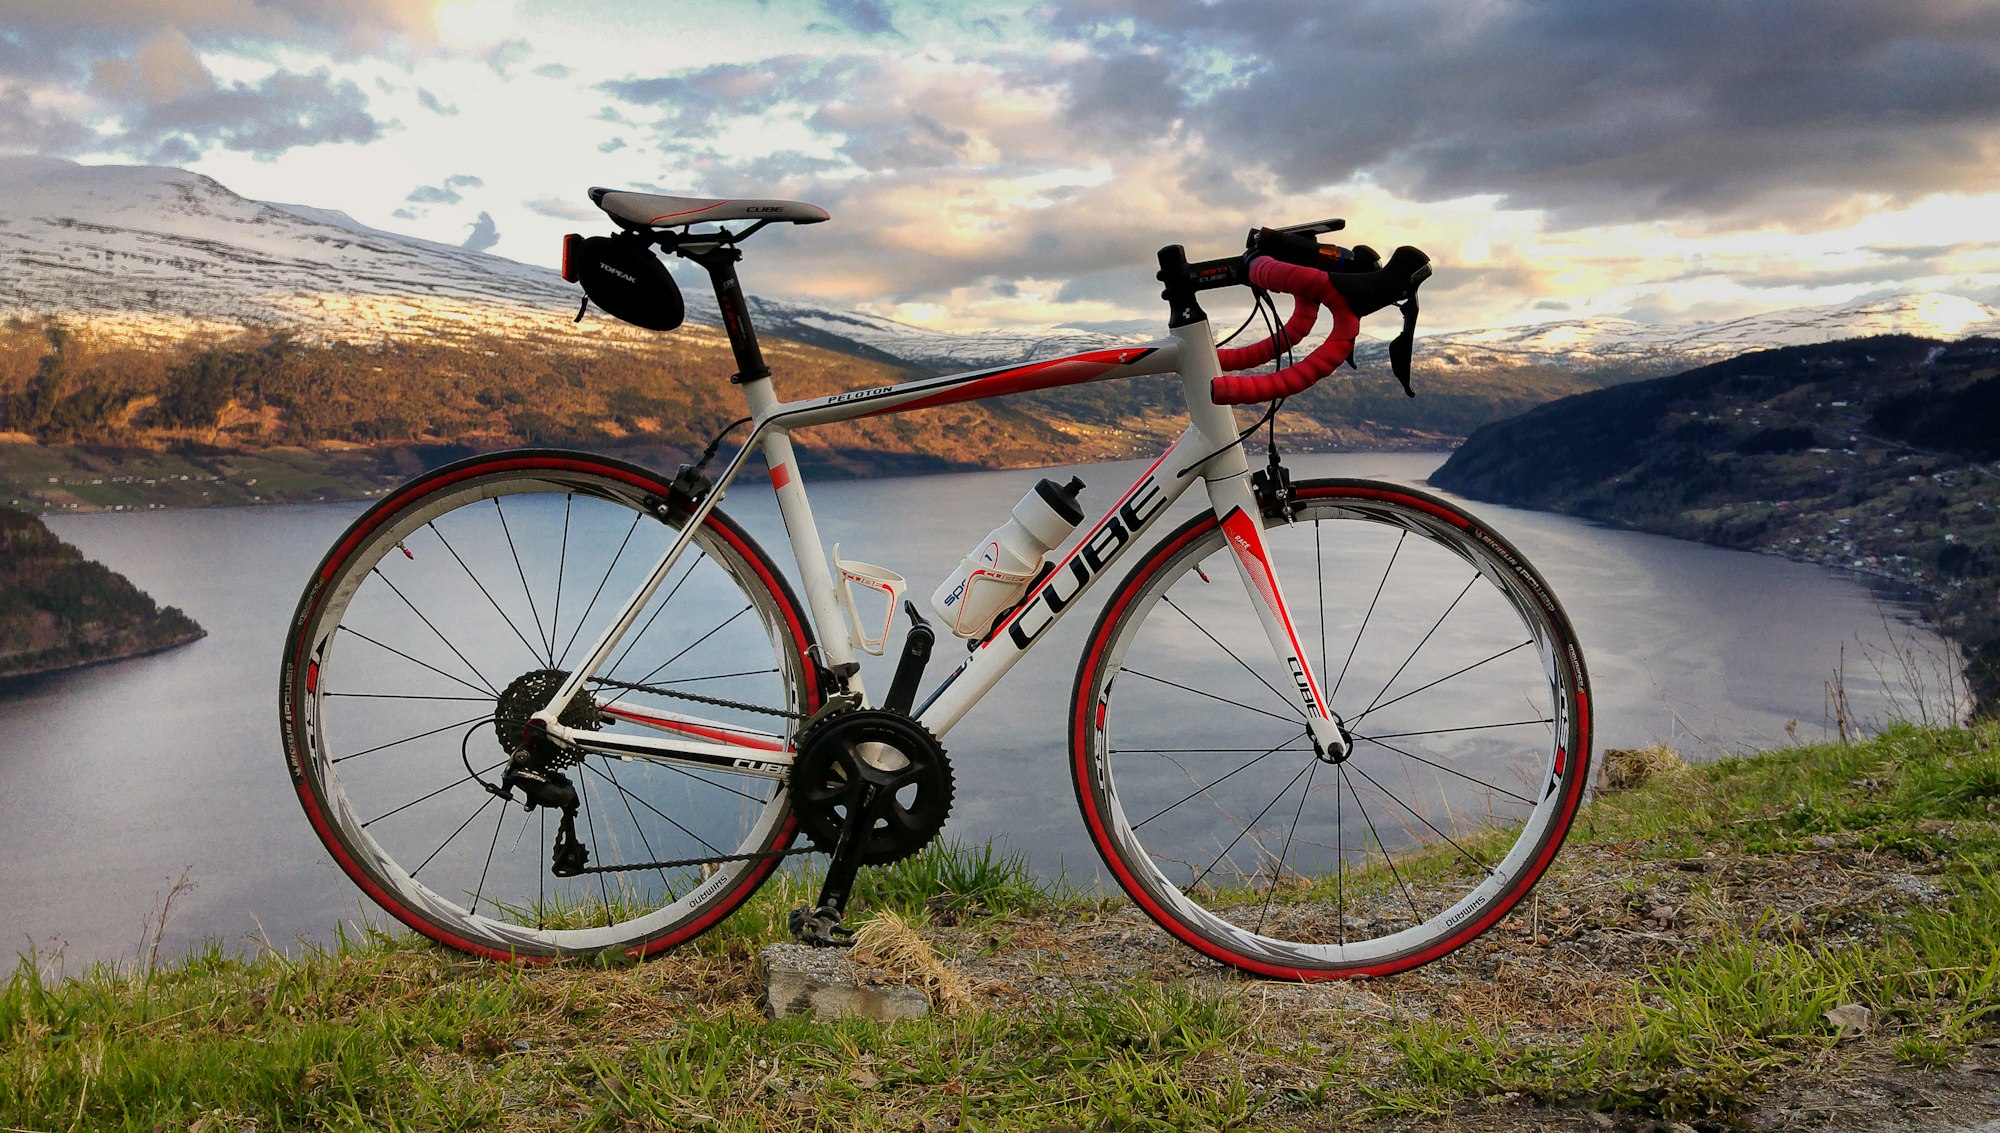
[869,17]
[484,233]
[263,118]
[109,24]
[1602,111]
[434,104]
[562,209]
[445,194]
[696,102]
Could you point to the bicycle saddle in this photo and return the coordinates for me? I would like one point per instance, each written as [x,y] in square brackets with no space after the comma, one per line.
[653,210]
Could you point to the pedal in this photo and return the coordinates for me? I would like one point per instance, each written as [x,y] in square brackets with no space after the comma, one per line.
[820,928]
[910,667]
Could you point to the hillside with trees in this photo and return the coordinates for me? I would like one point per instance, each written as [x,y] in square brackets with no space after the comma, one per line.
[59,610]
[91,419]
[1879,455]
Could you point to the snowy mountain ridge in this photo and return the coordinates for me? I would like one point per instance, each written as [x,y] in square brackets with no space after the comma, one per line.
[153,251]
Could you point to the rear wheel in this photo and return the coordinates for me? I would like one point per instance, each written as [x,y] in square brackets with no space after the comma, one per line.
[450,612]
[1449,663]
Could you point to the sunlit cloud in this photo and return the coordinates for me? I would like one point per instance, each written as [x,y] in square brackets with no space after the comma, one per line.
[1020,164]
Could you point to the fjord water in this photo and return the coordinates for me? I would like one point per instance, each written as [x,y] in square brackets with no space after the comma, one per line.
[116,780]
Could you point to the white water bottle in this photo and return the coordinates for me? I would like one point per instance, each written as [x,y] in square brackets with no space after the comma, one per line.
[997,572]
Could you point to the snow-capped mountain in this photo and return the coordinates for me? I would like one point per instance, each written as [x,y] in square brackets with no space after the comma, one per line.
[157,251]
[1589,343]
[154,251]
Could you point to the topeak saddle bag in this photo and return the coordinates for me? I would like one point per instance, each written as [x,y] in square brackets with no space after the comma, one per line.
[622,276]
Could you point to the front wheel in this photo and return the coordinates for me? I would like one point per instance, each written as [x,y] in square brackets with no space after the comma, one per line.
[1451,667]
[450,612]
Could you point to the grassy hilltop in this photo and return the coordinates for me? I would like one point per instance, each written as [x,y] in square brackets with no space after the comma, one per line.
[1800,939]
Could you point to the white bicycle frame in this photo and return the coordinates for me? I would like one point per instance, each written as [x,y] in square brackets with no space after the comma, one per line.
[1209,449]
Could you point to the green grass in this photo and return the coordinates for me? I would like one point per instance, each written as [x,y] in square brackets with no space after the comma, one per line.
[384,1031]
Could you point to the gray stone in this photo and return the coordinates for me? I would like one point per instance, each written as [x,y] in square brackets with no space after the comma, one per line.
[801,980]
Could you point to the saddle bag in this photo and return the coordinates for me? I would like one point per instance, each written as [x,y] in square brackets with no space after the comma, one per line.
[623,277]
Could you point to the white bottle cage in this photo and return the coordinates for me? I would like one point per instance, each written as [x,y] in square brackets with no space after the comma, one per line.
[890,584]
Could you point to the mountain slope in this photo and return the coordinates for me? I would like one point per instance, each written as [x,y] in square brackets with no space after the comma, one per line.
[59,610]
[1880,455]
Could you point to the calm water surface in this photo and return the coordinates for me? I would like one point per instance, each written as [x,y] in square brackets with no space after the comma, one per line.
[115,781]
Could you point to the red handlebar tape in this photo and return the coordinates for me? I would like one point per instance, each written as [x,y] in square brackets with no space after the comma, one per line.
[1313,290]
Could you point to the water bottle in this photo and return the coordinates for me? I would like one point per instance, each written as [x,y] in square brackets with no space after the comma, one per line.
[997,572]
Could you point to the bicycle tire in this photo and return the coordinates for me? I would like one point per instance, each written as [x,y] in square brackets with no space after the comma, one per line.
[436,602]
[1435,723]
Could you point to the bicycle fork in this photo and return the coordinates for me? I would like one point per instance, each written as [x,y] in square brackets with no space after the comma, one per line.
[1239,512]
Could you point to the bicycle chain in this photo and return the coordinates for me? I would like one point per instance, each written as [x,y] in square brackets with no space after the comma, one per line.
[685,862]
[700,699]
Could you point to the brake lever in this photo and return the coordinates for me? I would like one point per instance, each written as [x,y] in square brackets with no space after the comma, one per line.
[1401,347]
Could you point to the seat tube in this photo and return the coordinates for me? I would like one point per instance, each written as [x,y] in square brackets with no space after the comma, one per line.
[1227,476]
[828,618]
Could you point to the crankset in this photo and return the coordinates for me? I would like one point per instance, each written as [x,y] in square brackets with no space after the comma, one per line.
[870,786]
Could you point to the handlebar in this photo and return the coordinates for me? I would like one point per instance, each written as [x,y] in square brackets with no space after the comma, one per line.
[1291,262]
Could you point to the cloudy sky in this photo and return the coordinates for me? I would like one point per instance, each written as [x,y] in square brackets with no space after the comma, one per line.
[991,164]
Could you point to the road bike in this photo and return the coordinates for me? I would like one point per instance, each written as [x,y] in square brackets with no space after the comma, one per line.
[1346,773]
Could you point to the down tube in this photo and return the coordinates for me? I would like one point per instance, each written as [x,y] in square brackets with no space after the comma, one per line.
[1087,562]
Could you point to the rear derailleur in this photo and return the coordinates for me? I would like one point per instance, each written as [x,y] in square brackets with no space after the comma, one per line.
[535,760]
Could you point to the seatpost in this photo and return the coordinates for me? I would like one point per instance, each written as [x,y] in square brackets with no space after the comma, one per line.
[721,264]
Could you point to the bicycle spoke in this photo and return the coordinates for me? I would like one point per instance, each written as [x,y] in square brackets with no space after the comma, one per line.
[632,642]
[407,696]
[1285,851]
[489,693]
[1294,719]
[1254,675]
[1420,644]
[454,834]
[1416,916]
[1319,577]
[474,669]
[668,819]
[1252,824]
[1467,728]
[480,890]
[562,561]
[407,739]
[584,618]
[590,824]
[1339,869]
[1363,772]
[434,794]
[697,641]
[456,557]
[1366,617]
[1442,767]
[1204,790]
[1439,681]
[532,611]
[625,797]
[1187,750]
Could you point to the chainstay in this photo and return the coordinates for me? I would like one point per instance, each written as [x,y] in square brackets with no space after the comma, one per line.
[698,698]
[685,862]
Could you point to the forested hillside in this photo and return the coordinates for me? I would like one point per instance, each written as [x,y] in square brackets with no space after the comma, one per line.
[59,610]
[1880,455]
[89,419]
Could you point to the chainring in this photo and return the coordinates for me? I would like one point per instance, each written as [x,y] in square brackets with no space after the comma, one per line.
[833,773]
